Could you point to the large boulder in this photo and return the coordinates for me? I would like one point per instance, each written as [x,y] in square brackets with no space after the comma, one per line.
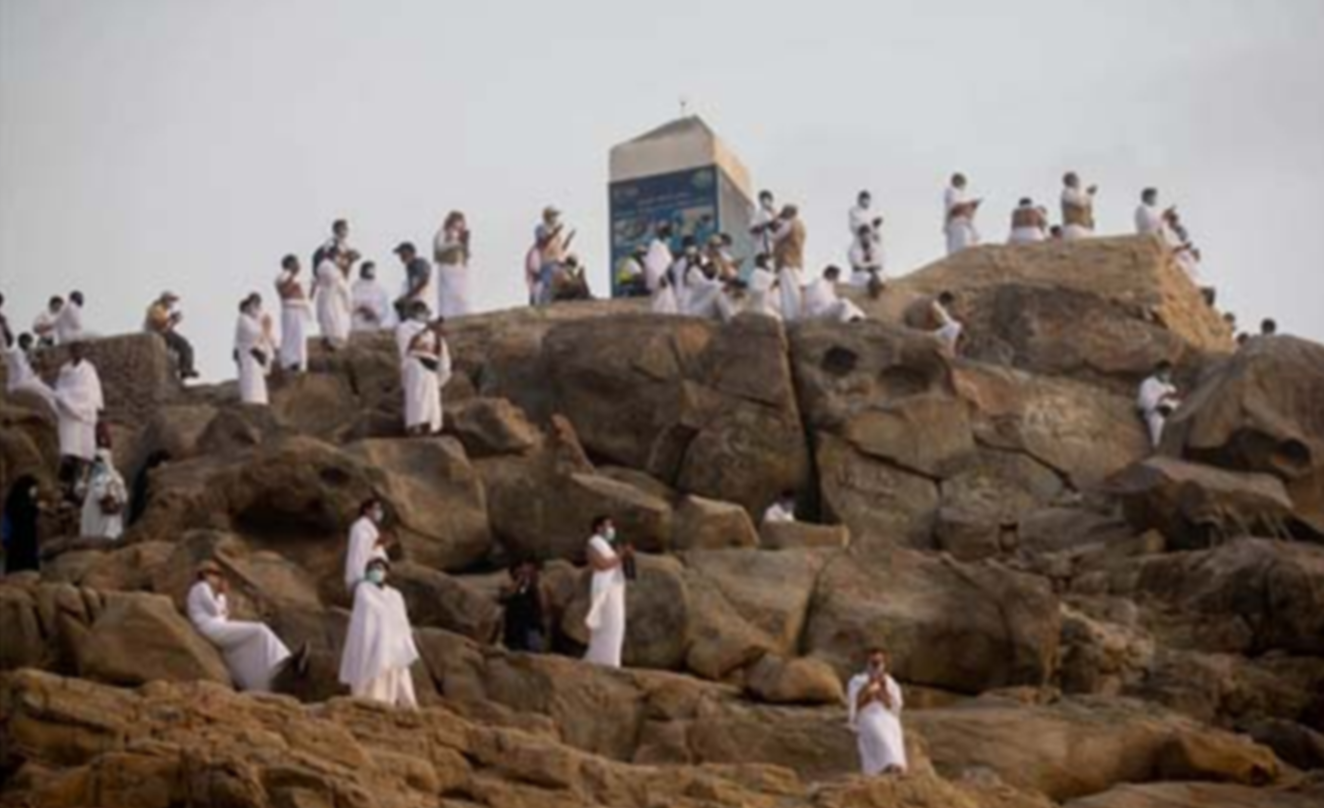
[1200,795]
[1259,410]
[1084,746]
[141,638]
[1103,309]
[948,625]
[1194,505]
[706,407]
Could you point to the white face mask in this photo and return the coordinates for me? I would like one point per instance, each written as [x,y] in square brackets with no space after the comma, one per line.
[376,575]
[377,515]
[609,534]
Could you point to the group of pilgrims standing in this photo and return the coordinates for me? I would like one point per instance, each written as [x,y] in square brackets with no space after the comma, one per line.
[703,280]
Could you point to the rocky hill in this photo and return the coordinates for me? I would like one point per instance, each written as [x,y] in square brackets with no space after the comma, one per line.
[1076,619]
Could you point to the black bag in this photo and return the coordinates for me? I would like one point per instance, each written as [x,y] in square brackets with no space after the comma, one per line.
[429,362]
[260,356]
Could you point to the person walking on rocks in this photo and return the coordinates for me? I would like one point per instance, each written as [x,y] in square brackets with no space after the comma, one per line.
[79,402]
[875,704]
[1077,208]
[295,313]
[1157,400]
[959,209]
[253,653]
[253,350]
[366,541]
[425,367]
[379,646]
[606,613]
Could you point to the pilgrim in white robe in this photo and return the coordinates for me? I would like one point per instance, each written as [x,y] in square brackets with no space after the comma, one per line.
[105,485]
[657,261]
[1156,395]
[760,297]
[379,647]
[370,296]
[762,222]
[663,300]
[78,399]
[822,302]
[606,613]
[250,337]
[295,314]
[779,512]
[1149,220]
[960,230]
[728,306]
[701,299]
[43,327]
[333,303]
[860,216]
[21,378]
[69,324]
[1082,201]
[878,729]
[1025,235]
[949,328]
[790,293]
[363,548]
[452,276]
[253,653]
[421,384]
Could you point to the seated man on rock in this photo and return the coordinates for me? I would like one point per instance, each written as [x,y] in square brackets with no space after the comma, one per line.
[782,510]
[946,327]
[822,302]
[256,657]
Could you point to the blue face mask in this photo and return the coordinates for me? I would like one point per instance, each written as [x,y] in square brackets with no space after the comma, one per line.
[377,575]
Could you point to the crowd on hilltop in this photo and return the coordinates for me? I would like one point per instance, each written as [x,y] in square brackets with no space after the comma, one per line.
[344,295]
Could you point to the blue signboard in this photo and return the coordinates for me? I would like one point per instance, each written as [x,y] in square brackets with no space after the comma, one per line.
[687,199]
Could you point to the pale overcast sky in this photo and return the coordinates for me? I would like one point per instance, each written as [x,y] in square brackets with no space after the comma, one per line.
[152,144]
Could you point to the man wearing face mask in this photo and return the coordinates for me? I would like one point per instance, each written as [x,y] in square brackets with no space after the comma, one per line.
[875,716]
[379,646]
[366,542]
[606,614]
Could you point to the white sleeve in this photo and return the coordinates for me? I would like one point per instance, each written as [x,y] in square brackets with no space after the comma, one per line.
[853,696]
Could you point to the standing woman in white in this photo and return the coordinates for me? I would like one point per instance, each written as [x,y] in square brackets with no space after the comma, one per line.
[253,348]
[295,312]
[450,251]
[606,613]
[875,717]
[379,647]
[425,367]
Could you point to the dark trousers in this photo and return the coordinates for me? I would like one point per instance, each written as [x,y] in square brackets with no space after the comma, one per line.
[181,349]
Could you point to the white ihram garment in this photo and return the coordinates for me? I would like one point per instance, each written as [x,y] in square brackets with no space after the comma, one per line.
[949,328]
[379,647]
[422,385]
[1025,235]
[703,294]
[821,301]
[69,324]
[791,295]
[333,303]
[363,548]
[1154,393]
[1080,199]
[21,378]
[249,336]
[253,653]
[295,313]
[878,729]
[657,261]
[779,513]
[1149,220]
[452,276]
[606,613]
[961,232]
[370,295]
[663,300]
[761,299]
[78,400]
[105,482]
[865,264]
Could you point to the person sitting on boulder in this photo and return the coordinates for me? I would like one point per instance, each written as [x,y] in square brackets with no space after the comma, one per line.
[366,542]
[44,324]
[606,614]
[163,319]
[253,653]
[874,703]
[379,647]
[524,625]
[106,500]
[782,510]
[822,302]
[866,258]
[946,327]
[1157,400]
[1029,223]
